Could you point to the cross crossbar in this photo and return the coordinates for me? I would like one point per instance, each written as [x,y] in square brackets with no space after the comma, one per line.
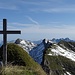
[5,32]
[10,32]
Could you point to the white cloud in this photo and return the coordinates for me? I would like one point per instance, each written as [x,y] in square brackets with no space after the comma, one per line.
[59,9]
[51,6]
[44,29]
[9,8]
[33,21]
[65,9]
[57,1]
[16,25]
[8,5]
[35,2]
[39,6]
[60,30]
[21,24]
[51,30]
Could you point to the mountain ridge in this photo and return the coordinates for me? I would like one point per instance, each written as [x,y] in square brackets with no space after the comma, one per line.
[55,58]
[62,60]
[62,39]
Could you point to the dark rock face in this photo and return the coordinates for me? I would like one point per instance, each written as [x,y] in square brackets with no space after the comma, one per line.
[47,43]
[48,70]
[37,53]
[18,41]
[45,66]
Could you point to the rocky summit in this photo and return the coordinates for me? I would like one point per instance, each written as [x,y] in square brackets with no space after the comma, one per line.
[26,45]
[55,59]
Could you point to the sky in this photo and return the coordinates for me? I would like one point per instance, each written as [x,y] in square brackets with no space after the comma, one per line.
[38,19]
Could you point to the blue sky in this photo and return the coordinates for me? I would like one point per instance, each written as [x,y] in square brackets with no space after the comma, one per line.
[38,19]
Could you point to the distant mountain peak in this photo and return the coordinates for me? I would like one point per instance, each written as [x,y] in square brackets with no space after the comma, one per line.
[37,52]
[62,39]
[47,41]
[26,45]
[18,41]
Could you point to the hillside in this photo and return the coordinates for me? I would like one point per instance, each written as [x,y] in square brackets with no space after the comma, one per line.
[18,56]
[59,59]
[57,64]
[56,59]
[69,45]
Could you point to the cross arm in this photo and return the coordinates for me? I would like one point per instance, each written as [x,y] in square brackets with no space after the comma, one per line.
[11,32]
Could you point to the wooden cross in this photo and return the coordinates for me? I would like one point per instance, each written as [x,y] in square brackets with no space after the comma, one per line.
[5,32]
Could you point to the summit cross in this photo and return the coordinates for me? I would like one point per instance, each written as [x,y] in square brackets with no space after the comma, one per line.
[5,32]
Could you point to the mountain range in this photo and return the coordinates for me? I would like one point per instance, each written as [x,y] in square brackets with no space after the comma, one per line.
[60,39]
[56,56]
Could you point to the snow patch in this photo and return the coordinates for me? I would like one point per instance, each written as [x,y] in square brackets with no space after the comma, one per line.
[26,45]
[66,53]
[68,73]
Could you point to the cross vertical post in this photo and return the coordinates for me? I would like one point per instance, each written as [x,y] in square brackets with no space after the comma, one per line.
[4,42]
[5,32]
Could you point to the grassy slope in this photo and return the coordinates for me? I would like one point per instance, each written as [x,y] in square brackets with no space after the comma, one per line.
[17,70]
[19,57]
[58,63]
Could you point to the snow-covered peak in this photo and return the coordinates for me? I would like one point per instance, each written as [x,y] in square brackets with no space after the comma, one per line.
[26,45]
[22,42]
[63,52]
[47,41]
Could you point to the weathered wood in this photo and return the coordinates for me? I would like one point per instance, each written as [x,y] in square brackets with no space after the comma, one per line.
[5,32]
